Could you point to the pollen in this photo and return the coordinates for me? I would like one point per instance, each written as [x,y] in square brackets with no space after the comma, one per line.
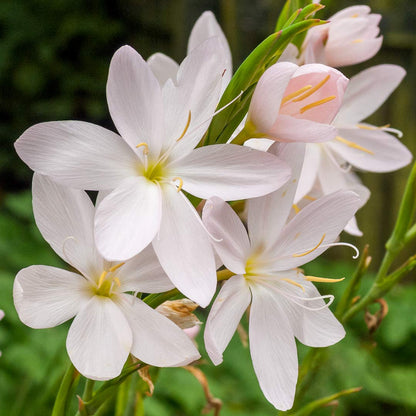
[354,145]
[317,103]
[313,89]
[311,250]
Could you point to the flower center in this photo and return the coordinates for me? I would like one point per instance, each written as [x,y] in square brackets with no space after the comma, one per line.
[108,282]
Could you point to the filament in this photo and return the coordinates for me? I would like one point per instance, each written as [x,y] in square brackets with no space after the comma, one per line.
[317,103]
[292,282]
[145,147]
[311,250]
[186,126]
[114,268]
[357,252]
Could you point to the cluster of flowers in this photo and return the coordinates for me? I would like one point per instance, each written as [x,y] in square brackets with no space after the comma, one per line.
[143,235]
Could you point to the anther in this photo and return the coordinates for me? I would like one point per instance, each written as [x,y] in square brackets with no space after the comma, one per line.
[354,145]
[313,89]
[311,250]
[177,178]
[309,198]
[317,103]
[357,41]
[186,126]
[102,278]
[292,282]
[296,208]
[295,94]
[322,279]
[114,268]
[117,280]
[145,147]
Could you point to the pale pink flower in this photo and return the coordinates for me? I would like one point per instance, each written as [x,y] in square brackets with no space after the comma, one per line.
[284,302]
[292,104]
[350,37]
[109,322]
[154,160]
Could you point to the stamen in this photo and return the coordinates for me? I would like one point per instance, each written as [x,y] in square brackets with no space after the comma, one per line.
[317,103]
[322,279]
[295,94]
[186,126]
[386,127]
[311,250]
[354,145]
[102,278]
[310,198]
[114,268]
[292,282]
[117,280]
[296,208]
[313,89]
[357,252]
[145,147]
[355,15]
[357,41]
[177,178]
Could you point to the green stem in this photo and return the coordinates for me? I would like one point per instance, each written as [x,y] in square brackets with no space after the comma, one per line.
[60,406]
[88,390]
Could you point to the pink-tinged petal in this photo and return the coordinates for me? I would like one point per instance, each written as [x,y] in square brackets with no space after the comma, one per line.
[156,340]
[306,236]
[267,215]
[65,218]
[77,154]
[290,54]
[230,172]
[309,172]
[143,273]
[226,312]
[163,67]
[367,91]
[371,150]
[99,339]
[135,100]
[267,97]
[127,220]
[272,348]
[206,27]
[184,248]
[231,244]
[352,228]
[352,11]
[45,296]
[290,129]
[193,97]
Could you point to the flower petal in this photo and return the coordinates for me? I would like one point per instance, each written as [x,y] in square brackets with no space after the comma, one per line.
[272,348]
[65,218]
[135,100]
[127,220]
[77,154]
[223,223]
[367,91]
[305,237]
[163,67]
[184,249]
[99,339]
[46,296]
[156,340]
[371,150]
[143,273]
[226,312]
[230,172]
[309,171]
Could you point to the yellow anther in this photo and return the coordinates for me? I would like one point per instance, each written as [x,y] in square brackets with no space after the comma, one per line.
[364,127]
[354,145]
[311,250]
[292,282]
[355,15]
[186,127]
[322,279]
[117,280]
[117,266]
[102,278]
[295,94]
[177,178]
[317,103]
[296,208]
[357,41]
[310,198]
[313,89]
[145,146]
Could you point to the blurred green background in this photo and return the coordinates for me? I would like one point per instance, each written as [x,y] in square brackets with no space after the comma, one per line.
[54,58]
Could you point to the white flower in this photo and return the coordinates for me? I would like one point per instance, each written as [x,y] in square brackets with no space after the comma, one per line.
[284,302]
[109,323]
[153,161]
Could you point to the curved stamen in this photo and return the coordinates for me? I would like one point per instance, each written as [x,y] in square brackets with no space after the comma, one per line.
[145,147]
[322,279]
[357,252]
[292,282]
[179,187]
[186,127]
[311,250]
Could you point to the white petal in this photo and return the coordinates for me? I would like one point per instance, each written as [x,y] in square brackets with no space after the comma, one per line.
[352,228]
[226,312]
[127,220]
[156,340]
[45,296]
[135,100]
[184,249]
[309,173]
[367,91]
[267,215]
[77,154]
[380,151]
[65,218]
[143,273]
[265,104]
[319,223]
[99,340]
[230,172]
[224,224]
[163,67]
[273,349]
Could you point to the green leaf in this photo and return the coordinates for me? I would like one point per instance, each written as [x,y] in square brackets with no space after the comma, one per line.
[290,7]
